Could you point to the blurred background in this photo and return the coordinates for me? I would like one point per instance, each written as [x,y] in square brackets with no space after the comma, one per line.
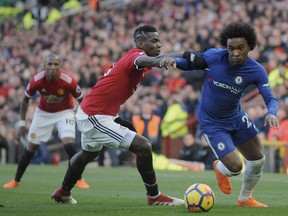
[89,35]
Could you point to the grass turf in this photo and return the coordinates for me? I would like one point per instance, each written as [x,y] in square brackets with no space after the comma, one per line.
[119,191]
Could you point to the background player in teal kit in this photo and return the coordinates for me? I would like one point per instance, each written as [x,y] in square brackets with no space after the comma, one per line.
[224,124]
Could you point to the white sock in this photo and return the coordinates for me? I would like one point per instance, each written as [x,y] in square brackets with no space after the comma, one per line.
[223,169]
[251,176]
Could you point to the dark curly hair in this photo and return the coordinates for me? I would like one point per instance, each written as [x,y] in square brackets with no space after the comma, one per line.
[140,32]
[236,30]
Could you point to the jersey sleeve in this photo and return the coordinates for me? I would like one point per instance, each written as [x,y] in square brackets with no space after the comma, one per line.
[267,93]
[31,88]
[183,64]
[135,56]
[76,91]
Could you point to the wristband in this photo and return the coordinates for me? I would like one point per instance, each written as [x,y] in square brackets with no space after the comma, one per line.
[22,123]
[189,56]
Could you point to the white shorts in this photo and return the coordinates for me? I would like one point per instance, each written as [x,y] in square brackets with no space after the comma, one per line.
[101,130]
[43,123]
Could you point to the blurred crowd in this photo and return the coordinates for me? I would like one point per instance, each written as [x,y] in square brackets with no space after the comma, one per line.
[91,39]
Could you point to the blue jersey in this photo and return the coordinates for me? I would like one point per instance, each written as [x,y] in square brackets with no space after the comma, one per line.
[224,86]
[222,121]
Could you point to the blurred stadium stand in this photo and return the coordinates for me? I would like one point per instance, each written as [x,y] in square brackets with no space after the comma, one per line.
[98,32]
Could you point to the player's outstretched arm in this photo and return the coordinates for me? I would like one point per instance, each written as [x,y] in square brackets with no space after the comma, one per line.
[189,60]
[159,61]
[174,54]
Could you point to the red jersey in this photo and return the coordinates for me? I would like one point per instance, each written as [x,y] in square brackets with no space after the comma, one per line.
[116,86]
[55,95]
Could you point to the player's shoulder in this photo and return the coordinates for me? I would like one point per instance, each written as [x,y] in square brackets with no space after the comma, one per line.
[134,52]
[66,76]
[214,54]
[129,58]
[251,62]
[218,51]
[38,76]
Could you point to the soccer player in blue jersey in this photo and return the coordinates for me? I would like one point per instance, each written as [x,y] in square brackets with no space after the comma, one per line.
[224,124]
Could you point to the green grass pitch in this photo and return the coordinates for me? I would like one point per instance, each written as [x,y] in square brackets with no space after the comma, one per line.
[119,191]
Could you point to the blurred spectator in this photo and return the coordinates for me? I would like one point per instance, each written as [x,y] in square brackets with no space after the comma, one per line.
[282,92]
[39,13]
[174,81]
[72,5]
[148,125]
[174,123]
[259,121]
[200,152]
[190,149]
[278,75]
[257,114]
[278,80]
[3,149]
[279,135]
[41,156]
[206,154]
[113,157]
[94,4]
[90,39]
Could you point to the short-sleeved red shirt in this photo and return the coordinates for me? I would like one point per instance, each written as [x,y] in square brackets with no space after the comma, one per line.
[116,86]
[56,95]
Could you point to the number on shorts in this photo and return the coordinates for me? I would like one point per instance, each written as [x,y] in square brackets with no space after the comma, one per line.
[246,120]
[70,121]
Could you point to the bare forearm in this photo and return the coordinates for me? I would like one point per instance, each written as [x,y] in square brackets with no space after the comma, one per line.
[23,108]
[147,61]
[175,55]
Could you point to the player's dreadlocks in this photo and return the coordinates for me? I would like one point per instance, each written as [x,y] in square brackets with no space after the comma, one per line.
[237,30]
[141,32]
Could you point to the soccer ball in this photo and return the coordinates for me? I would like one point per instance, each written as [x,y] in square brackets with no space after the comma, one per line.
[199,197]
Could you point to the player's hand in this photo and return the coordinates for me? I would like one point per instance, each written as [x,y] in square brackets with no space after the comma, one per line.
[272,121]
[167,62]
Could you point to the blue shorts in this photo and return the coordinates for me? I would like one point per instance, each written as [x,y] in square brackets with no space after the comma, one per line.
[224,137]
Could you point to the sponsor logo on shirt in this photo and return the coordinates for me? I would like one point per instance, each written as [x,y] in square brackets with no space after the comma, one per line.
[232,89]
[53,98]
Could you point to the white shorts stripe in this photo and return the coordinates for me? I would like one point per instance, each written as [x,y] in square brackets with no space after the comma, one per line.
[101,130]
[104,129]
[209,143]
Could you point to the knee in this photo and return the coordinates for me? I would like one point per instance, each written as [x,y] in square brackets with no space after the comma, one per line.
[235,168]
[86,157]
[141,146]
[145,148]
[82,158]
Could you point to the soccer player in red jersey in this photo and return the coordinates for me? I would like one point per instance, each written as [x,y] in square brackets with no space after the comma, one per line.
[57,89]
[100,126]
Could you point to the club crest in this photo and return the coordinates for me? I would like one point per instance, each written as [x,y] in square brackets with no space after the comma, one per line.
[238,80]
